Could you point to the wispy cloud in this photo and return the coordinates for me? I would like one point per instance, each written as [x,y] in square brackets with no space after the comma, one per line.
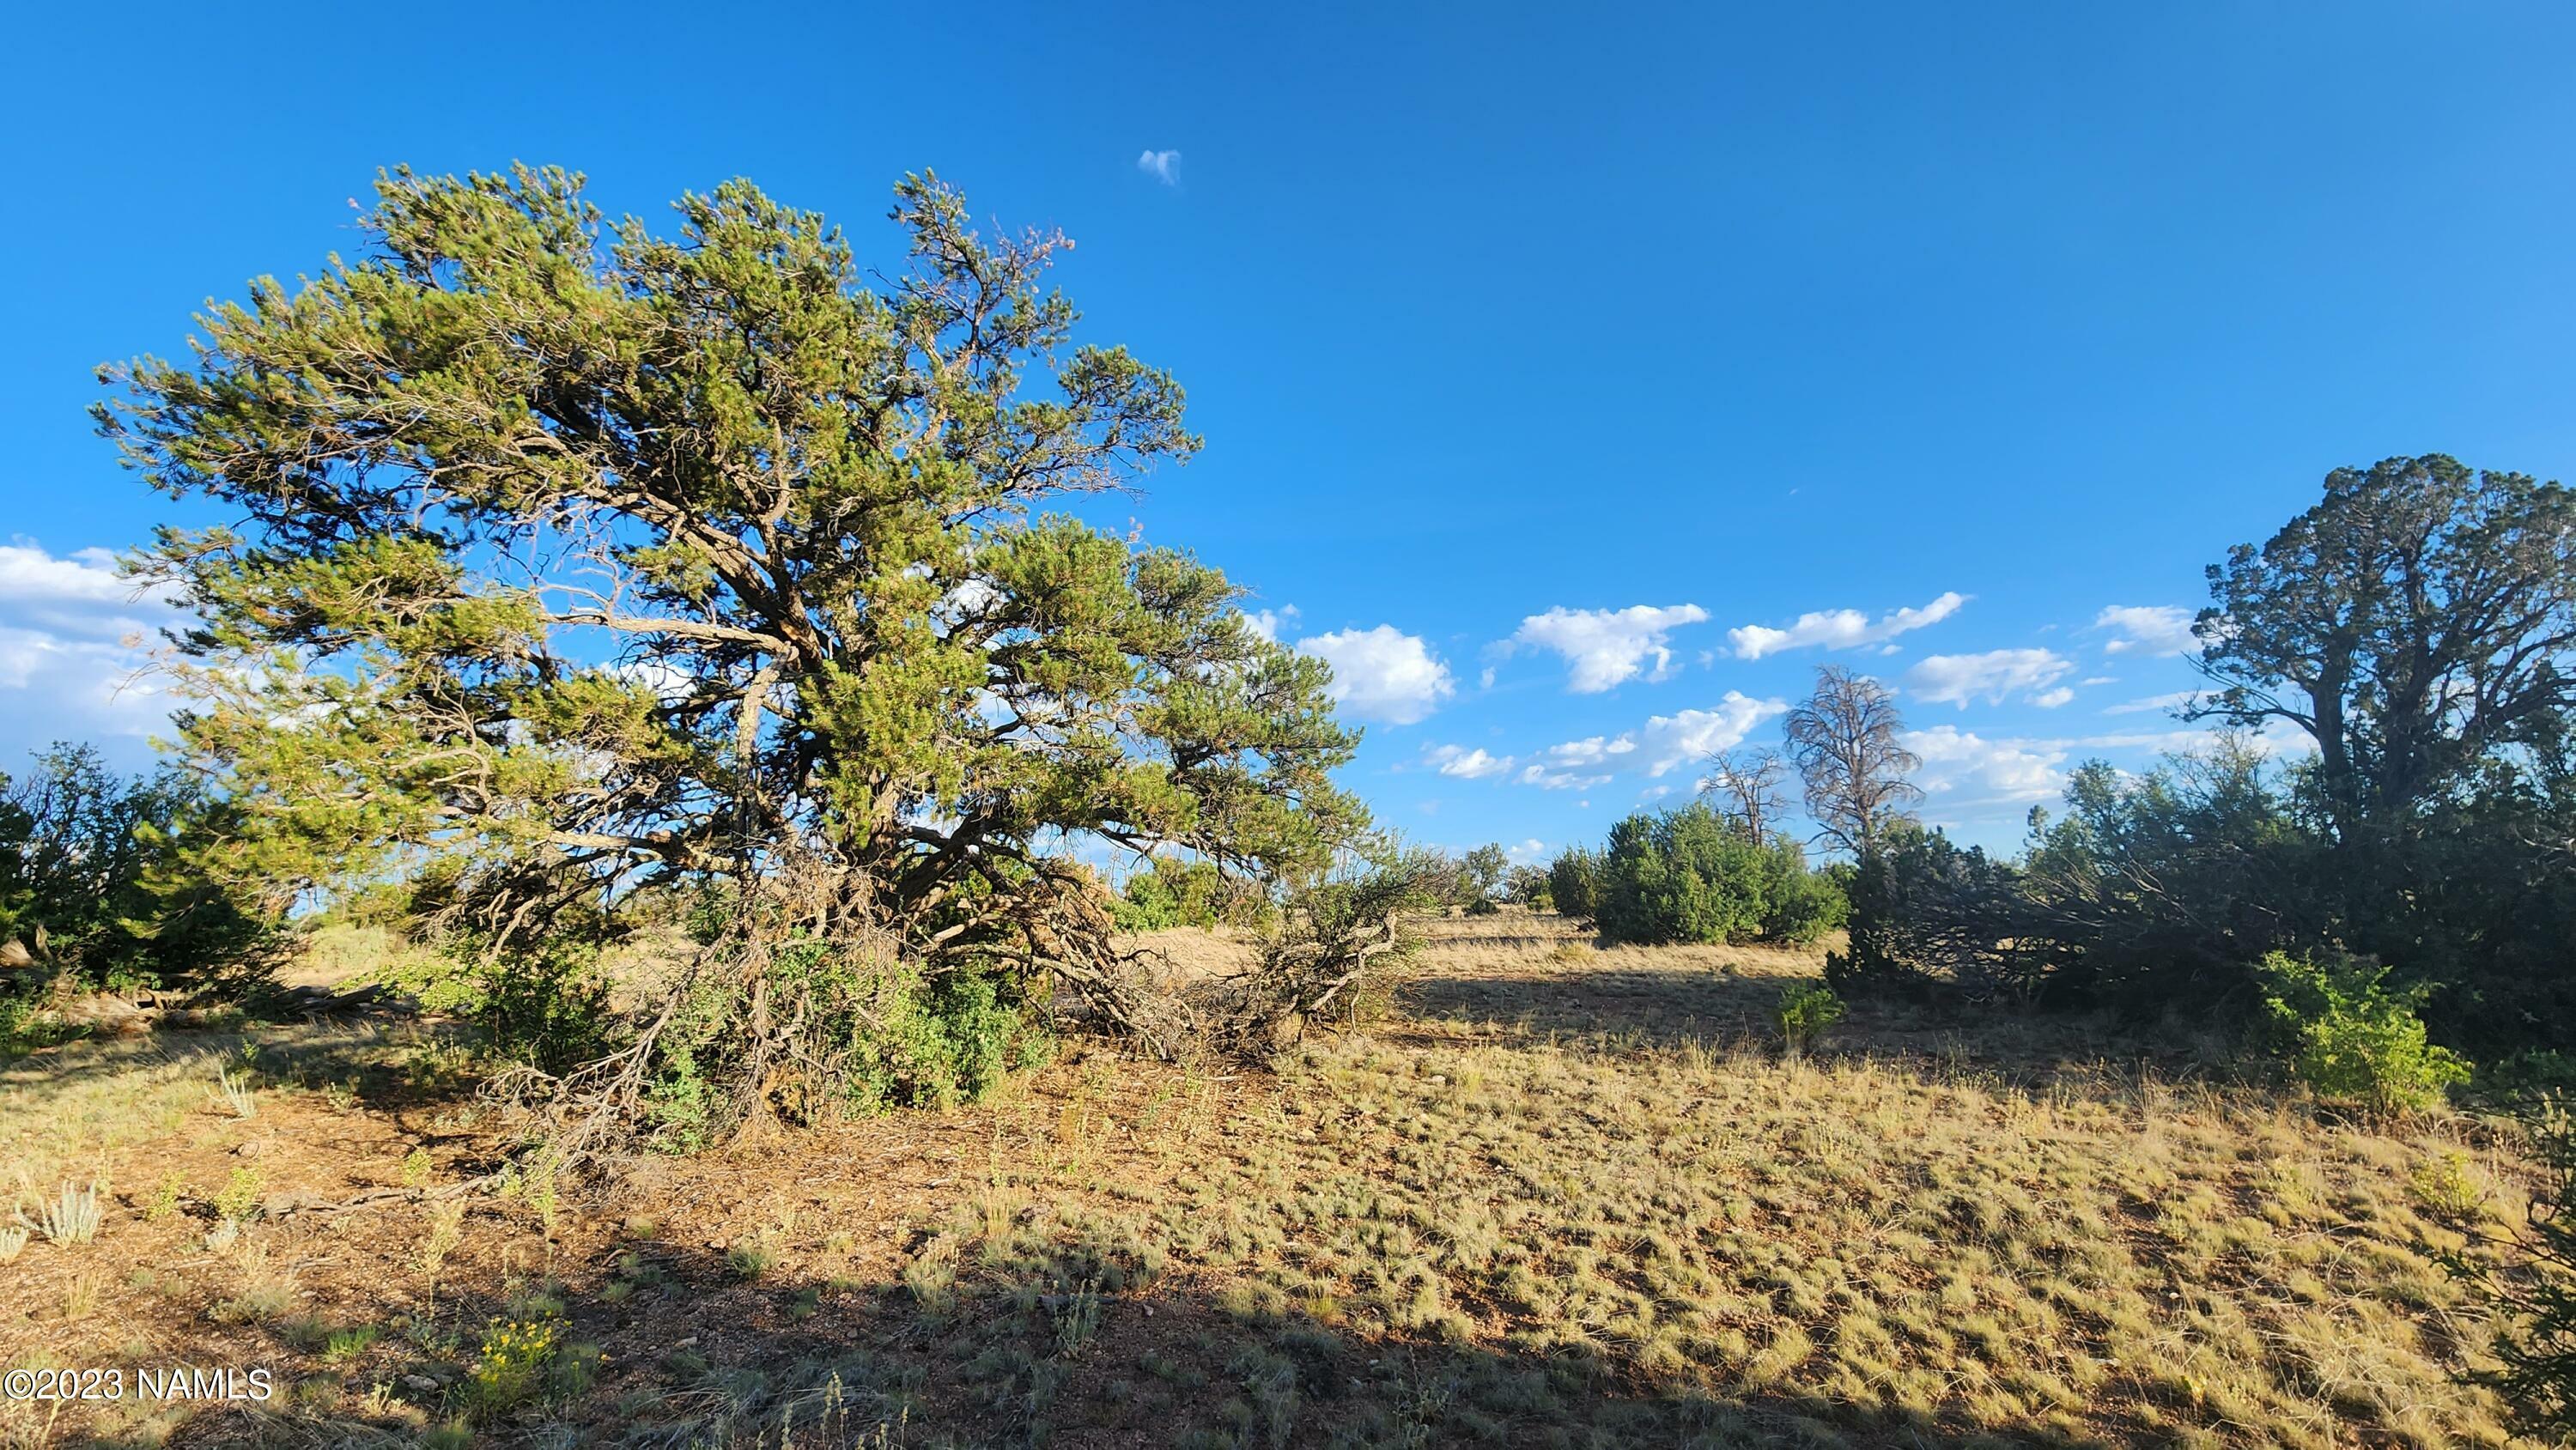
[1163,166]
[2147,629]
[2172,701]
[1840,628]
[1465,764]
[1605,647]
[1958,679]
[1653,749]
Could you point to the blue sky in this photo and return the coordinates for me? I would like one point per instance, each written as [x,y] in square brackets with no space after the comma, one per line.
[1545,357]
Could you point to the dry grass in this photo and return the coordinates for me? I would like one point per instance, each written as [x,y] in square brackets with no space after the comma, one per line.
[1555,1196]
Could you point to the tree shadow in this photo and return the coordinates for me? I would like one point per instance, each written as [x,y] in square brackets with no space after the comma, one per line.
[1057,1342]
[1621,1001]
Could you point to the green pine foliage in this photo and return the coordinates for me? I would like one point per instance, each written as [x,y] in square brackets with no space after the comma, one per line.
[588,563]
[97,880]
[2535,1349]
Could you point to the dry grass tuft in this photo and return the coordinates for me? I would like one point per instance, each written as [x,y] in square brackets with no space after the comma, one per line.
[1555,1195]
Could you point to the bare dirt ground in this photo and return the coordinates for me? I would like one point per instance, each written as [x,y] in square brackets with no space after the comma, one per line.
[1552,1195]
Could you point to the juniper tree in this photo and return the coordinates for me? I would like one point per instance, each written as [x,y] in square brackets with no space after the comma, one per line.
[566,558]
[2418,619]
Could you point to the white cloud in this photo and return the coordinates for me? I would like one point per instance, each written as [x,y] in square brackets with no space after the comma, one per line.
[1382,673]
[1163,166]
[1670,740]
[69,688]
[2051,699]
[2153,702]
[1968,776]
[1268,622]
[1527,853]
[670,683]
[2147,629]
[75,649]
[1653,749]
[1957,679]
[1577,764]
[1604,647]
[1841,628]
[1465,764]
[30,575]
[1966,770]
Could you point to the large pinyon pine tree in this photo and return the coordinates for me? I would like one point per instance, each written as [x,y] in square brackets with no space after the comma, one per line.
[568,561]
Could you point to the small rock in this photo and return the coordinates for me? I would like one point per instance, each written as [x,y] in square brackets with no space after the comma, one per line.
[251,1148]
[422,1383]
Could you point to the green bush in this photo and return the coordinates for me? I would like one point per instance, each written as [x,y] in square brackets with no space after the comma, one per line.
[25,1025]
[1183,893]
[545,1005]
[1693,875]
[1925,912]
[945,1041]
[1799,905]
[1805,1010]
[876,1036]
[96,877]
[2535,1346]
[1574,883]
[1681,876]
[2354,1041]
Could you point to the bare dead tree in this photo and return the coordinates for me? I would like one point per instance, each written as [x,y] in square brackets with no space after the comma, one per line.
[1844,741]
[1745,785]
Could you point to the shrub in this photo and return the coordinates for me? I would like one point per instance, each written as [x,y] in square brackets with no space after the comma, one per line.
[1924,911]
[26,1024]
[876,1035]
[945,1041]
[1806,1009]
[1184,893]
[96,877]
[72,1218]
[545,1006]
[2354,1041]
[239,1200]
[1574,882]
[1799,905]
[1683,876]
[512,1366]
[2535,1349]
[1529,886]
